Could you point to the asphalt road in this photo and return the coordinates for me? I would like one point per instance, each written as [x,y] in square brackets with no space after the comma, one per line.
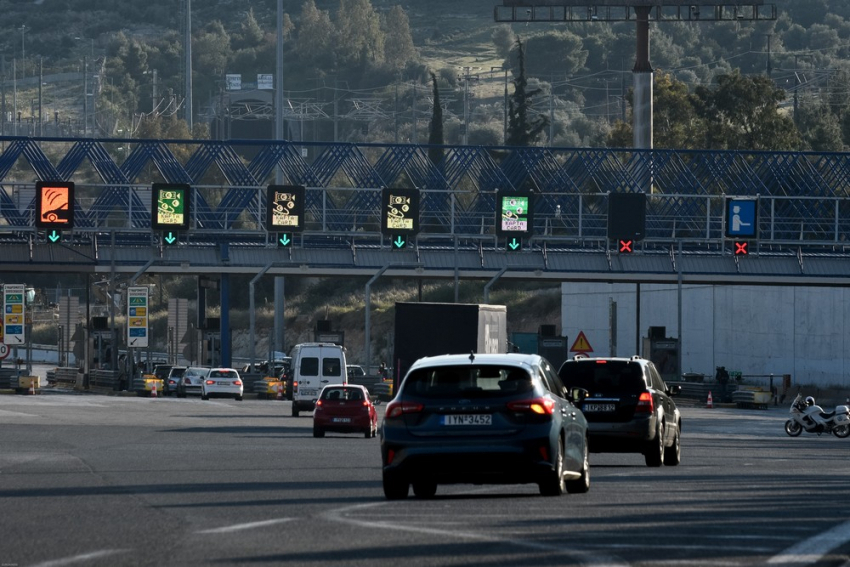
[104,481]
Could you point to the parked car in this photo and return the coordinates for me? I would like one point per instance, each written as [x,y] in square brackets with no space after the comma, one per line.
[191,381]
[345,408]
[169,386]
[484,418]
[629,408]
[222,383]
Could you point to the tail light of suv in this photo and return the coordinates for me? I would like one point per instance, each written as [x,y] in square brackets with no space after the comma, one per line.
[645,403]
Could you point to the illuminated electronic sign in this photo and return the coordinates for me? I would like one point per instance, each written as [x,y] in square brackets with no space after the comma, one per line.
[400,212]
[54,205]
[285,208]
[514,214]
[171,206]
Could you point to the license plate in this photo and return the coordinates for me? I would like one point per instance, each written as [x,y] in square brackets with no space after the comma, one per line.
[599,407]
[223,383]
[468,419]
[307,392]
[342,420]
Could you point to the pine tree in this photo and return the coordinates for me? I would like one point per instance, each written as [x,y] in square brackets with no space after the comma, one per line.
[435,135]
[522,131]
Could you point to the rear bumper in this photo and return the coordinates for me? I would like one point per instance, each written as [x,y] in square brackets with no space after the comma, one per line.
[487,460]
[358,423]
[222,391]
[627,437]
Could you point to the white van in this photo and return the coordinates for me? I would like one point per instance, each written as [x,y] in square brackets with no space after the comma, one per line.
[314,366]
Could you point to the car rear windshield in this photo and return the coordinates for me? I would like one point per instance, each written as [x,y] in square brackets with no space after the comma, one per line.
[604,376]
[224,374]
[468,381]
[355,394]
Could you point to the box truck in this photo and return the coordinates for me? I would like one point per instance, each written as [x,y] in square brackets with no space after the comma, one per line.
[431,329]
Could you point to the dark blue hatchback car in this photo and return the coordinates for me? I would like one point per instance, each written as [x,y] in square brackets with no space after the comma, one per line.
[480,419]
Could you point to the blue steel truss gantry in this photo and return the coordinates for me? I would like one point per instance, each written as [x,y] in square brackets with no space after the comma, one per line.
[803,197]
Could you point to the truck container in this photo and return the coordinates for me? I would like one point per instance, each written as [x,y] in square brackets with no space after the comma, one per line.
[431,329]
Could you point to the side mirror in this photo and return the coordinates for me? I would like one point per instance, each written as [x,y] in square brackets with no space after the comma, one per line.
[674,390]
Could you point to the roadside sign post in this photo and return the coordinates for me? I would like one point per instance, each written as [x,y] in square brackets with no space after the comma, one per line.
[137,324]
[14,314]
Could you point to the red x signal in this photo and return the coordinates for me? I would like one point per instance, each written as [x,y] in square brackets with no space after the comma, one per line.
[626,246]
[742,248]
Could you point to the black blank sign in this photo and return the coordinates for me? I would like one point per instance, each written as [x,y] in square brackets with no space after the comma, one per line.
[626,216]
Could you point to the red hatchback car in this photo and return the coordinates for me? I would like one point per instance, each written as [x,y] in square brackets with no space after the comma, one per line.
[345,408]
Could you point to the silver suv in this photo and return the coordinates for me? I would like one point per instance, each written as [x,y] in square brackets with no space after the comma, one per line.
[629,408]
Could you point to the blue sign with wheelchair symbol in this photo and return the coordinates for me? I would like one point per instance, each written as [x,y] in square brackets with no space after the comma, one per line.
[741,218]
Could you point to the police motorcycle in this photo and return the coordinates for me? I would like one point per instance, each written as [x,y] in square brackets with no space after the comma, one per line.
[810,417]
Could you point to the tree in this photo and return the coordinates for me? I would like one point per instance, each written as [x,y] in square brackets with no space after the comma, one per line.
[360,40]
[398,46]
[522,131]
[435,129]
[742,113]
[314,46]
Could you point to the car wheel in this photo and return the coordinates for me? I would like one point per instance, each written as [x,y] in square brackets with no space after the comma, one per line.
[655,452]
[673,453]
[294,409]
[181,394]
[424,489]
[318,432]
[395,486]
[238,398]
[204,396]
[554,485]
[368,433]
[581,485]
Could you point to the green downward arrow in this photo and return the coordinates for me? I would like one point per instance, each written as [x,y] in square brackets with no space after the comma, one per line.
[514,244]
[54,236]
[399,242]
[284,240]
[170,238]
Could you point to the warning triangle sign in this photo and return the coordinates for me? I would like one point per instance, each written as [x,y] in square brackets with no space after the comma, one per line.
[581,344]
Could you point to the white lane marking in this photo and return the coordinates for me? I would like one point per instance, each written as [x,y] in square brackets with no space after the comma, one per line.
[81,558]
[239,527]
[586,558]
[813,549]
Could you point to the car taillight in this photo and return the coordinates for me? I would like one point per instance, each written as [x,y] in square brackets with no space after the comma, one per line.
[396,409]
[319,404]
[295,385]
[543,405]
[186,381]
[237,382]
[645,403]
[210,382]
[172,382]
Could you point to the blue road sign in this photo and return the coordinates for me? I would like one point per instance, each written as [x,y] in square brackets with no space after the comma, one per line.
[741,218]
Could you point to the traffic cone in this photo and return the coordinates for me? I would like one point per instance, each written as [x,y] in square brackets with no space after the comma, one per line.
[280,391]
[709,404]
[32,387]
[153,389]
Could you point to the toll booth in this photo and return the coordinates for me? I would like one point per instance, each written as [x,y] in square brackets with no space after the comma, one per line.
[663,352]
